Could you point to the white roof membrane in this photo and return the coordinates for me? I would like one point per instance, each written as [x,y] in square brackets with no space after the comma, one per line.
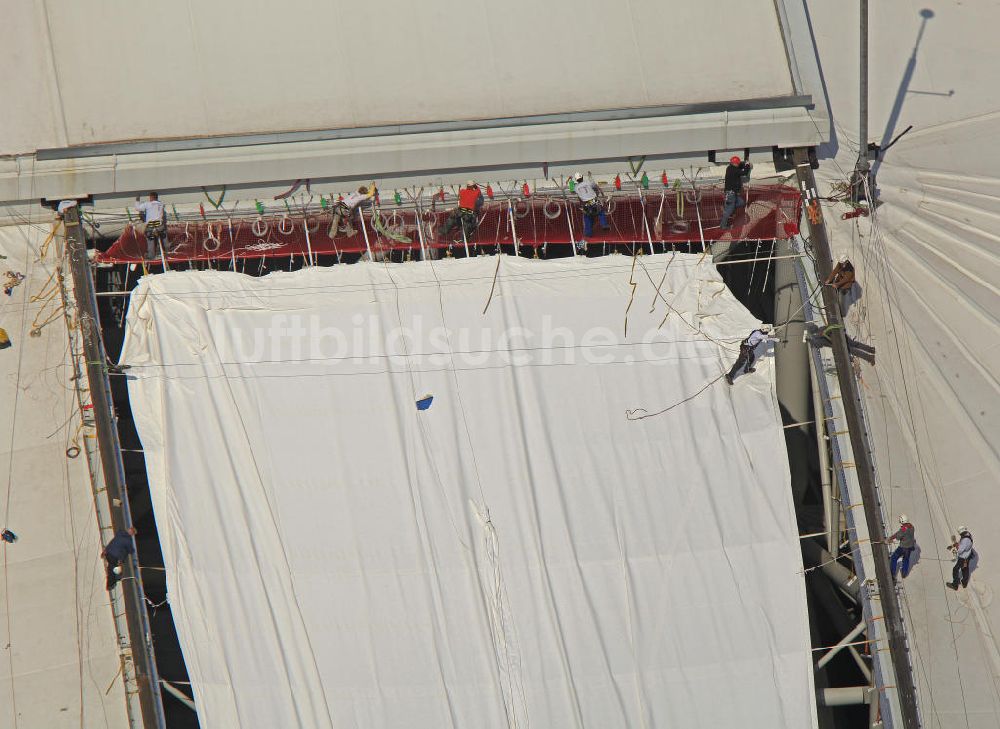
[226,67]
[930,274]
[59,655]
[519,552]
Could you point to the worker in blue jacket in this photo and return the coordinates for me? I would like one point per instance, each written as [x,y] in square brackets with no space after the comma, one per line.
[115,554]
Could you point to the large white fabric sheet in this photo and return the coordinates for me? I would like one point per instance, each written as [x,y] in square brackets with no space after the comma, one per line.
[518,554]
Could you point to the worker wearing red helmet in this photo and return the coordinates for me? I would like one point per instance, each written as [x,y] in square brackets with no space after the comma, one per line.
[470,202]
[735,173]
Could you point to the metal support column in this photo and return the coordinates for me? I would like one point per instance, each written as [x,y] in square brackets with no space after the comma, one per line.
[863,465]
[114,473]
[831,504]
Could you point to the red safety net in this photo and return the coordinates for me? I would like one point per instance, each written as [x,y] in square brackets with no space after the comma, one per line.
[669,216]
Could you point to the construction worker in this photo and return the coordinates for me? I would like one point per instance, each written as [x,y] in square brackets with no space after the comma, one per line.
[115,554]
[963,551]
[748,354]
[735,172]
[154,223]
[344,209]
[906,536]
[821,338]
[592,201]
[842,276]
[470,202]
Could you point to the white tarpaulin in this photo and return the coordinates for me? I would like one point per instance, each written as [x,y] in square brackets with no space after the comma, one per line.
[519,553]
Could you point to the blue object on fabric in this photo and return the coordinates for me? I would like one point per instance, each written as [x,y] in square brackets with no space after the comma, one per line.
[8,536]
[425,402]
[904,554]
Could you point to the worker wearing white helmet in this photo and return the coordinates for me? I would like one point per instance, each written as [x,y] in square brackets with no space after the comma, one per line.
[962,549]
[907,537]
[592,201]
[748,352]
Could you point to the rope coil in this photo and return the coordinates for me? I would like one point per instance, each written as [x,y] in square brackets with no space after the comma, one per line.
[212,242]
[552,209]
[259,227]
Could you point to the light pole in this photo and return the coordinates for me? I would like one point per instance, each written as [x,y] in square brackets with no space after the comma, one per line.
[862,168]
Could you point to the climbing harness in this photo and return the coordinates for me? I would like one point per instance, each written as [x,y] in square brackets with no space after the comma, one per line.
[11,280]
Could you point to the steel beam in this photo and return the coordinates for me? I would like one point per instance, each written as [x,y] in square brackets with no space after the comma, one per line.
[863,463]
[114,472]
[844,696]
[179,695]
[841,644]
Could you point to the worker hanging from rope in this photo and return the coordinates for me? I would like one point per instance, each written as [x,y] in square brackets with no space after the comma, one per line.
[735,173]
[906,536]
[821,338]
[115,554]
[154,224]
[344,209]
[592,200]
[842,276]
[961,547]
[748,353]
[470,202]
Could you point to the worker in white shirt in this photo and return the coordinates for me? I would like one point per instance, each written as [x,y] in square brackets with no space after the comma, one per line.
[344,209]
[748,353]
[592,201]
[154,222]
[961,547]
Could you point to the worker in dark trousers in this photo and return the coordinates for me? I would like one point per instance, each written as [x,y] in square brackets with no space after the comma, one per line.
[154,219]
[470,202]
[821,338]
[343,210]
[592,203]
[115,554]
[747,354]
[963,551]
[735,172]
[906,536]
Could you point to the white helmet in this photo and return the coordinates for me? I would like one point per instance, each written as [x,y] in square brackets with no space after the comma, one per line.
[578,177]
[117,569]
[903,518]
[963,529]
[470,183]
